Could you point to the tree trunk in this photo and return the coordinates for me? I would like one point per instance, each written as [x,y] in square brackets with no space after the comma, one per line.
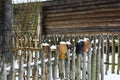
[6,27]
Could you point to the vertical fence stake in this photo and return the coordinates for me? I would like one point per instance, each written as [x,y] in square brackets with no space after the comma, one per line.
[28,65]
[98,60]
[21,67]
[84,65]
[62,69]
[73,62]
[113,54]
[68,66]
[78,67]
[12,72]
[93,72]
[118,54]
[102,57]
[56,65]
[36,61]
[107,54]
[50,65]
[12,68]
[28,59]
[21,63]
[89,59]
[42,65]
[4,73]
[89,64]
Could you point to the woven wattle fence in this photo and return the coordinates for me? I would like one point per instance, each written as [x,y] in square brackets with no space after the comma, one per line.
[41,61]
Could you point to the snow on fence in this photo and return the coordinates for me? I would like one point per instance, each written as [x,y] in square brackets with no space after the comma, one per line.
[38,57]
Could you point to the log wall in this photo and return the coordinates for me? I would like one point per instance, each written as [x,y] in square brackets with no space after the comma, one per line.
[71,16]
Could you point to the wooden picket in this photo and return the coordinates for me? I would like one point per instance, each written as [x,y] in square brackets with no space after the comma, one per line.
[32,61]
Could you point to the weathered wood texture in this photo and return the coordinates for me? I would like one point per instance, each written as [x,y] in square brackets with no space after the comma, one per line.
[67,16]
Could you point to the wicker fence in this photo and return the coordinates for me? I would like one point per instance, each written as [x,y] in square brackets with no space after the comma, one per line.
[34,60]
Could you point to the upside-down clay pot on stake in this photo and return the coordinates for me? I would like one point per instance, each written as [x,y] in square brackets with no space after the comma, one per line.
[62,50]
[79,46]
[86,45]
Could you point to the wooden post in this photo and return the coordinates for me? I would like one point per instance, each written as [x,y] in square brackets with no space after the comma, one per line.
[6,29]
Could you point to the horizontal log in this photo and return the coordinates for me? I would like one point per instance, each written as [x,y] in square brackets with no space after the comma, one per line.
[82,2]
[82,20]
[82,30]
[106,7]
[90,24]
[83,14]
[25,49]
[78,4]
